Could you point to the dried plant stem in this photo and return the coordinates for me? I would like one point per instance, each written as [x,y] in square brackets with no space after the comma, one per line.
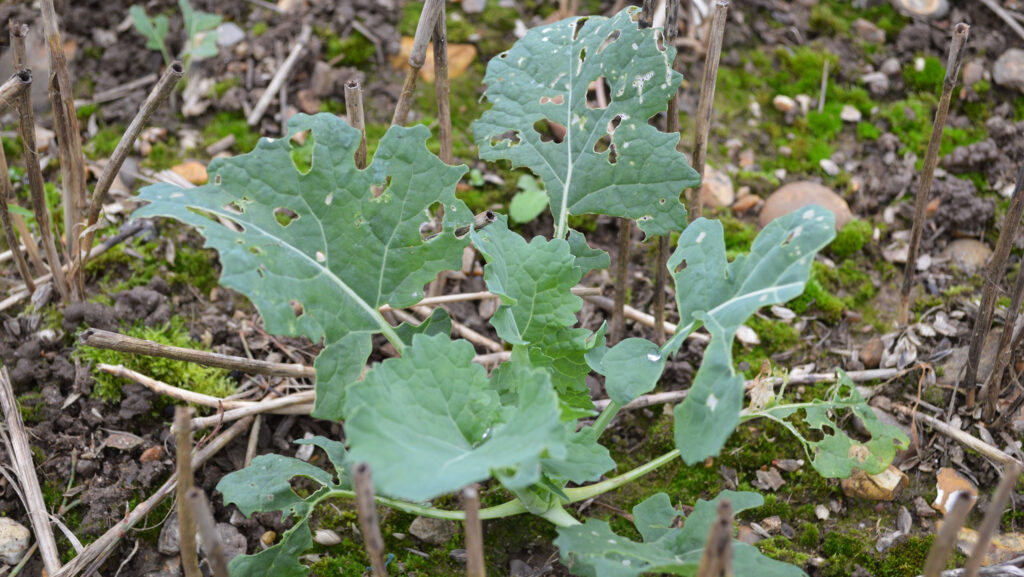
[10,92]
[296,404]
[956,56]
[993,388]
[156,97]
[990,524]
[424,30]
[65,120]
[716,561]
[945,543]
[354,115]
[617,328]
[474,534]
[280,77]
[31,248]
[213,547]
[484,295]
[994,274]
[965,439]
[362,480]
[5,216]
[442,87]
[26,129]
[101,339]
[664,242]
[707,102]
[99,549]
[25,467]
[183,462]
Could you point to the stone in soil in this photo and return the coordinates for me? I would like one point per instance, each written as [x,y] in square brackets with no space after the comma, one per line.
[432,531]
[974,71]
[1009,69]
[871,353]
[969,254]
[947,482]
[229,34]
[14,540]
[850,114]
[885,486]
[717,190]
[797,195]
[784,104]
[868,31]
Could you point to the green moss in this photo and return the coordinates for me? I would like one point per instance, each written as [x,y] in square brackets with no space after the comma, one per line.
[31,407]
[102,145]
[826,22]
[86,110]
[868,131]
[225,123]
[911,120]
[259,28]
[353,50]
[739,235]
[781,549]
[775,336]
[982,87]
[810,536]
[929,79]
[12,147]
[224,85]
[189,376]
[851,239]
[163,155]
[195,267]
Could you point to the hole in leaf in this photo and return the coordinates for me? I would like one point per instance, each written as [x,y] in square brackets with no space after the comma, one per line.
[503,55]
[789,238]
[603,143]
[259,271]
[615,122]
[577,26]
[255,250]
[680,267]
[660,38]
[607,41]
[217,180]
[301,148]
[379,189]
[583,55]
[549,130]
[613,156]
[235,207]
[296,307]
[285,216]
[662,201]
[558,99]
[598,98]
[512,136]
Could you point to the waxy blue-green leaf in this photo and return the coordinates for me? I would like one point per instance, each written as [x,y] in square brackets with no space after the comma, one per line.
[631,368]
[593,550]
[265,485]
[538,311]
[281,560]
[323,238]
[529,202]
[611,160]
[723,295]
[431,422]
[835,455]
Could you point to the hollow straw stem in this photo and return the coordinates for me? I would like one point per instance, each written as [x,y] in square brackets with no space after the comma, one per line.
[212,544]
[5,192]
[424,31]
[664,242]
[956,56]
[716,560]
[156,97]
[994,274]
[354,115]
[474,534]
[707,101]
[945,542]
[990,524]
[993,388]
[369,524]
[621,276]
[65,120]
[442,87]
[183,462]
[26,129]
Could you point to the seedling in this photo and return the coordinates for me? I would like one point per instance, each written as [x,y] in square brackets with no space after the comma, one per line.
[431,422]
[200,30]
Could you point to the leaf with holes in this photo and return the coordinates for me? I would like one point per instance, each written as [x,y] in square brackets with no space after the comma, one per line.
[338,240]
[610,161]
[593,550]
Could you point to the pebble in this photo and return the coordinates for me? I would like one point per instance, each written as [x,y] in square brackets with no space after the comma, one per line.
[326,537]
[877,83]
[829,166]
[232,542]
[14,540]
[967,253]
[797,195]
[821,512]
[772,524]
[783,103]
[229,34]
[974,72]
[948,482]
[850,114]
[868,31]
[433,531]
[745,203]
[891,67]
[755,110]
[805,103]
[933,9]
[717,190]
[192,171]
[1009,69]
[884,486]
[746,159]
[473,6]
[871,353]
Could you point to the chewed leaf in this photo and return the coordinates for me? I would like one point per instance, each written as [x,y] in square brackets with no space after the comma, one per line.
[265,485]
[430,422]
[723,295]
[593,550]
[337,240]
[611,161]
[281,560]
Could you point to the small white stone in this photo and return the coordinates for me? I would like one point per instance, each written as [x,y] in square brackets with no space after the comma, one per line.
[14,540]
[783,103]
[805,103]
[821,512]
[326,537]
[829,166]
[850,114]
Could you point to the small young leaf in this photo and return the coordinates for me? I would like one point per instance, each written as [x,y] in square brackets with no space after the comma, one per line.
[200,33]
[345,250]
[430,422]
[529,202]
[631,368]
[611,160]
[153,29]
[593,550]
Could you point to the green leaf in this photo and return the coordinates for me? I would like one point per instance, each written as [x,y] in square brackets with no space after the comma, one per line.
[586,459]
[538,310]
[529,202]
[281,560]
[430,422]
[438,323]
[265,485]
[723,295]
[335,452]
[153,29]
[344,253]
[544,78]
[593,550]
[631,368]
[835,455]
[586,258]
